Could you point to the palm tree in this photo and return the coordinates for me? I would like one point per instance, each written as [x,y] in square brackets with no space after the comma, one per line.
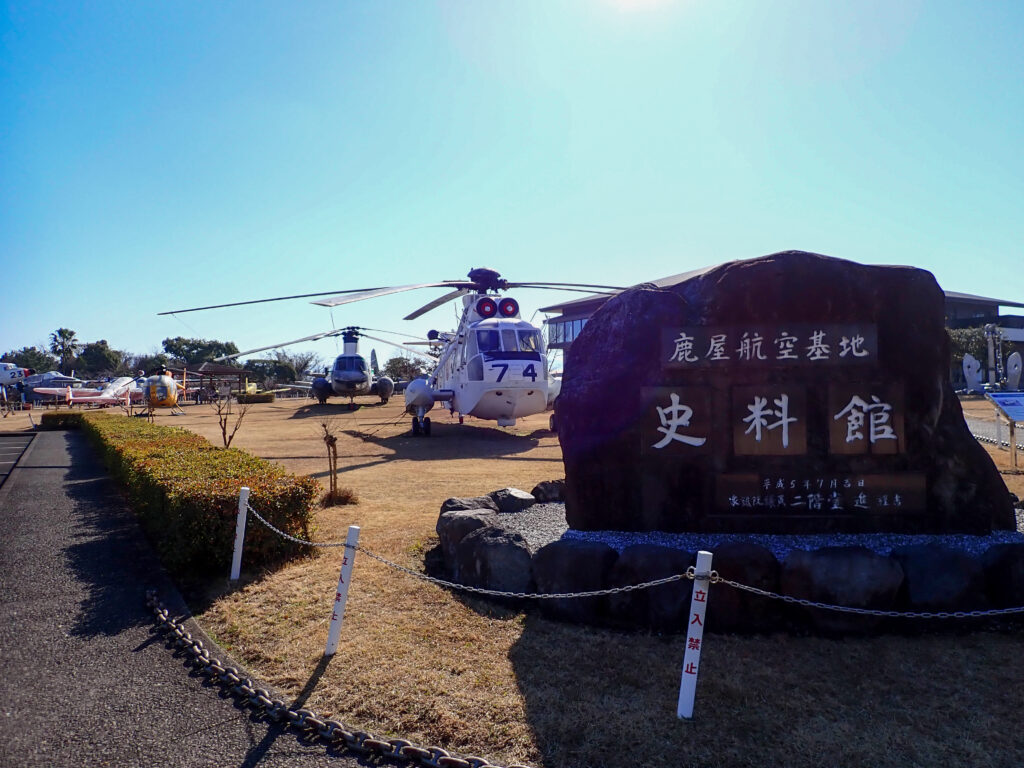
[65,346]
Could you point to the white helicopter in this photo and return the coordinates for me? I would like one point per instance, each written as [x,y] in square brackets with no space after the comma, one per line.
[349,376]
[493,366]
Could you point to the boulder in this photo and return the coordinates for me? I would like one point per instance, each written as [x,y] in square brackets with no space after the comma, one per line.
[495,559]
[1004,575]
[473,502]
[569,566]
[549,490]
[734,610]
[929,476]
[452,527]
[937,578]
[663,608]
[849,576]
[512,500]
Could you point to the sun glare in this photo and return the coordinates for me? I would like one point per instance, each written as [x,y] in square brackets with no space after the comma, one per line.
[628,6]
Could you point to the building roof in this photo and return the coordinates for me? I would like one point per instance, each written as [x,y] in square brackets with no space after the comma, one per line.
[576,305]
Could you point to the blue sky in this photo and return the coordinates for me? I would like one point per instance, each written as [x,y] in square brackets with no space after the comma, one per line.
[156,156]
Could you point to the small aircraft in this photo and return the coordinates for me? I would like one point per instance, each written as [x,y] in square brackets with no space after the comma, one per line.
[117,392]
[349,376]
[12,374]
[493,366]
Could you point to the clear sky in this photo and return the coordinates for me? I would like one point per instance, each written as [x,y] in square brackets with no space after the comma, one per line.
[161,155]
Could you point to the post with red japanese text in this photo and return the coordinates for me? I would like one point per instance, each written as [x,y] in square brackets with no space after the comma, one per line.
[341,594]
[243,513]
[694,636]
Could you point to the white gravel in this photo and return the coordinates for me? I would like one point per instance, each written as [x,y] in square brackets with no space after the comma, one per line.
[544,523]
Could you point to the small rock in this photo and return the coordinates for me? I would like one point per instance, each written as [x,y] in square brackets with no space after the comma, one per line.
[473,502]
[1004,575]
[453,527]
[573,566]
[665,607]
[495,559]
[938,578]
[512,500]
[849,576]
[549,490]
[734,610]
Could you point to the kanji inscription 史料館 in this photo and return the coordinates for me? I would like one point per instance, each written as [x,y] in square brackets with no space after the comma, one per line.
[791,393]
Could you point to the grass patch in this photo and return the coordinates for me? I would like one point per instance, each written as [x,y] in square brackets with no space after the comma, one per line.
[418,662]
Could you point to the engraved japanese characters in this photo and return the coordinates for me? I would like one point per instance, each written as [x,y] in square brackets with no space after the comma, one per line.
[790,393]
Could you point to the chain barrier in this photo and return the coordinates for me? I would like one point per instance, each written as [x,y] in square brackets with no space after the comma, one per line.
[306,721]
[992,440]
[689,574]
[869,611]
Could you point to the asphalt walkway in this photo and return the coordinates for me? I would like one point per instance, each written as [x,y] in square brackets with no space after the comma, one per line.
[84,678]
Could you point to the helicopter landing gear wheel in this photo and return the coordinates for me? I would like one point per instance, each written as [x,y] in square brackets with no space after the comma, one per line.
[462,420]
[323,400]
[426,427]
[415,427]
[553,423]
[384,401]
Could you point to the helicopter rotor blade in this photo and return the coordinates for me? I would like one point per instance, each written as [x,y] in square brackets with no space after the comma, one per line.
[314,337]
[437,303]
[372,293]
[410,350]
[578,287]
[263,301]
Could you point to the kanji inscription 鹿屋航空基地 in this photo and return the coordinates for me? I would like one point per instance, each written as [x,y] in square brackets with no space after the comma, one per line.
[783,345]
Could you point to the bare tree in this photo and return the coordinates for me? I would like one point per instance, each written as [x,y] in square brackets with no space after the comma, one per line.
[334,495]
[224,413]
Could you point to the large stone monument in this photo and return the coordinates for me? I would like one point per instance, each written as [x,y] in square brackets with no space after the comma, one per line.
[793,393]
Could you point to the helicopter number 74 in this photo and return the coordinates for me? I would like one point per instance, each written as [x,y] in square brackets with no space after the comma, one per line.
[493,366]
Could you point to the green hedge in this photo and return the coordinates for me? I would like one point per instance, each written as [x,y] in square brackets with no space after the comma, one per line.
[185,490]
[260,397]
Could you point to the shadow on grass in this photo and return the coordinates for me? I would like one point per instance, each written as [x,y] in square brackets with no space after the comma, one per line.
[450,441]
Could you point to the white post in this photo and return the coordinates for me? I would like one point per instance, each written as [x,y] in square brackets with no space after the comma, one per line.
[694,636]
[243,513]
[341,595]
[1013,443]
[999,430]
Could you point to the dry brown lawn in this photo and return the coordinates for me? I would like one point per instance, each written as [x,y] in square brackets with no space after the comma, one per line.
[419,662]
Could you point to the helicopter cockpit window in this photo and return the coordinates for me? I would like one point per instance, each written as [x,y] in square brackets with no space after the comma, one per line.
[488,341]
[529,341]
[508,340]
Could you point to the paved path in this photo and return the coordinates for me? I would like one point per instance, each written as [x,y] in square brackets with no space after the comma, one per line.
[11,448]
[84,679]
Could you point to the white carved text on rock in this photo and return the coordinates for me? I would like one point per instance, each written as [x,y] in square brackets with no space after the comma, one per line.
[672,418]
[877,414]
[684,349]
[760,413]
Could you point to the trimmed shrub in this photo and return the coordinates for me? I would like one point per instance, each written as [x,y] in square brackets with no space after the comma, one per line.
[186,493]
[61,420]
[260,397]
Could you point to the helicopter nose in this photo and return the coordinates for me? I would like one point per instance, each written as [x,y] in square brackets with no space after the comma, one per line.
[350,378]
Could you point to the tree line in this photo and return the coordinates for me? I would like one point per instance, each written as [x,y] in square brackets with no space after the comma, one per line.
[96,359]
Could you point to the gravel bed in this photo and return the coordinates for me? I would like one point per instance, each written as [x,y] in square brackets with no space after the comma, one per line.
[544,523]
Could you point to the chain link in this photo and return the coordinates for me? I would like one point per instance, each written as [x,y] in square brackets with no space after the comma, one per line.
[305,720]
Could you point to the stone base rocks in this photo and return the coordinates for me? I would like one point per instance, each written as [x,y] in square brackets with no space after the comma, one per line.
[481,547]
